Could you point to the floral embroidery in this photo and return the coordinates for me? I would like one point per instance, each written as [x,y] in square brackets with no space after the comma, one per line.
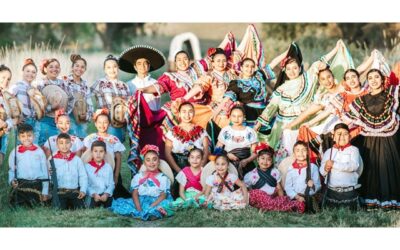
[185,136]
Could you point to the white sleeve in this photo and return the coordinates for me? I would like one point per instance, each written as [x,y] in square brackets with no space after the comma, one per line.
[289,185]
[181,178]
[79,144]
[118,146]
[83,178]
[221,136]
[249,179]
[11,165]
[45,174]
[210,181]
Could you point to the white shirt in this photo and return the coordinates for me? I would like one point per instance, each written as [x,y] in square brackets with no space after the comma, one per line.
[31,165]
[233,139]
[71,174]
[154,101]
[346,168]
[102,181]
[252,177]
[77,144]
[295,183]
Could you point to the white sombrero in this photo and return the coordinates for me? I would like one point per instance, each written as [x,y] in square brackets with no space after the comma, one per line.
[55,93]
[209,169]
[109,158]
[130,55]
[164,168]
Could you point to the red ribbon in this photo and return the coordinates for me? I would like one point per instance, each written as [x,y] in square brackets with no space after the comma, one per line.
[67,157]
[97,166]
[23,149]
[299,166]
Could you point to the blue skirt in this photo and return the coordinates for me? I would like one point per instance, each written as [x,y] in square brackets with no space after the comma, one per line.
[118,132]
[78,129]
[47,128]
[126,207]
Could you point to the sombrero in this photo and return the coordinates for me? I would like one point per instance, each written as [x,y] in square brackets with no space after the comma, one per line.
[14,106]
[117,114]
[38,101]
[109,158]
[130,55]
[164,168]
[80,108]
[54,93]
[209,169]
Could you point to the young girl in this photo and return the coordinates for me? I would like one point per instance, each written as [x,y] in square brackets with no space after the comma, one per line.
[183,137]
[264,182]
[150,190]
[107,89]
[6,123]
[341,166]
[20,90]
[190,188]
[114,146]
[239,141]
[81,92]
[295,183]
[50,68]
[63,124]
[219,188]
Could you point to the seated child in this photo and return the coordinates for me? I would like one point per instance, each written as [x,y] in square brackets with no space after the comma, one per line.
[220,190]
[341,166]
[100,177]
[264,182]
[71,175]
[114,146]
[239,141]
[27,170]
[295,183]
[63,124]
[190,188]
[151,196]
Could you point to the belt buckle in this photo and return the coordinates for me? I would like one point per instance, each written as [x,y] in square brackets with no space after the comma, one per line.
[339,189]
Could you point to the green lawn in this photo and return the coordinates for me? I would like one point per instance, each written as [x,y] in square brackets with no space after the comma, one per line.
[250,217]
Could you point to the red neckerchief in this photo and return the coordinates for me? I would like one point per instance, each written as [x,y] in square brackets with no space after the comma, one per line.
[150,175]
[97,166]
[68,157]
[299,166]
[23,149]
[341,148]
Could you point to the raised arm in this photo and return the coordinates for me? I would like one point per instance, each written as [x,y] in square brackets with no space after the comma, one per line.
[326,58]
[278,59]
[365,65]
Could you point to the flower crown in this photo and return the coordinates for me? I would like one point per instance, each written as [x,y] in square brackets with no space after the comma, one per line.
[58,113]
[148,148]
[263,146]
[98,112]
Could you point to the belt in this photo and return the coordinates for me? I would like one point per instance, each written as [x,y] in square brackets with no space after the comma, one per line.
[344,189]
[66,190]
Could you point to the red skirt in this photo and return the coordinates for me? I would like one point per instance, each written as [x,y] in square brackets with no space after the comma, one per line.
[260,199]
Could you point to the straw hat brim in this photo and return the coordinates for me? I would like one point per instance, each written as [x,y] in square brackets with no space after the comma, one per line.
[116,102]
[38,101]
[109,158]
[209,169]
[130,55]
[51,90]
[164,168]
[13,104]
[80,107]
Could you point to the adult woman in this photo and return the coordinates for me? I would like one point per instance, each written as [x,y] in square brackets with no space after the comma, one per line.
[376,115]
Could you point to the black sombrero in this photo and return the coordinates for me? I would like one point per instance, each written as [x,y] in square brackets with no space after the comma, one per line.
[130,55]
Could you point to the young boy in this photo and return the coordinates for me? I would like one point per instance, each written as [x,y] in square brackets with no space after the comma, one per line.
[295,183]
[101,177]
[63,123]
[344,164]
[71,175]
[28,175]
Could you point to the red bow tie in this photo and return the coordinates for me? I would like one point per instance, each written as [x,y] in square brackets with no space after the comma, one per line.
[64,157]
[23,149]
[96,166]
[341,148]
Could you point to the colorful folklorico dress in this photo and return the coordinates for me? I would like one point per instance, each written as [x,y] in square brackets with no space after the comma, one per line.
[80,128]
[150,186]
[379,143]
[192,186]
[263,191]
[105,91]
[5,115]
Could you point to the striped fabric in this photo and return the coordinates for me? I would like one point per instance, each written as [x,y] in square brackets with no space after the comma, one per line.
[104,90]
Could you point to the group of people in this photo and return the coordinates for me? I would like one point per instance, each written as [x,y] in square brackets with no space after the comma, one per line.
[232,135]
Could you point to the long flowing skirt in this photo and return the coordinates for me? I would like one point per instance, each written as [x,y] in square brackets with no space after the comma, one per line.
[260,199]
[380,180]
[126,207]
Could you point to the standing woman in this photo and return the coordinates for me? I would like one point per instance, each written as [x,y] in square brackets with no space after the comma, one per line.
[57,94]
[376,113]
[108,91]
[83,107]
[6,123]
[31,99]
